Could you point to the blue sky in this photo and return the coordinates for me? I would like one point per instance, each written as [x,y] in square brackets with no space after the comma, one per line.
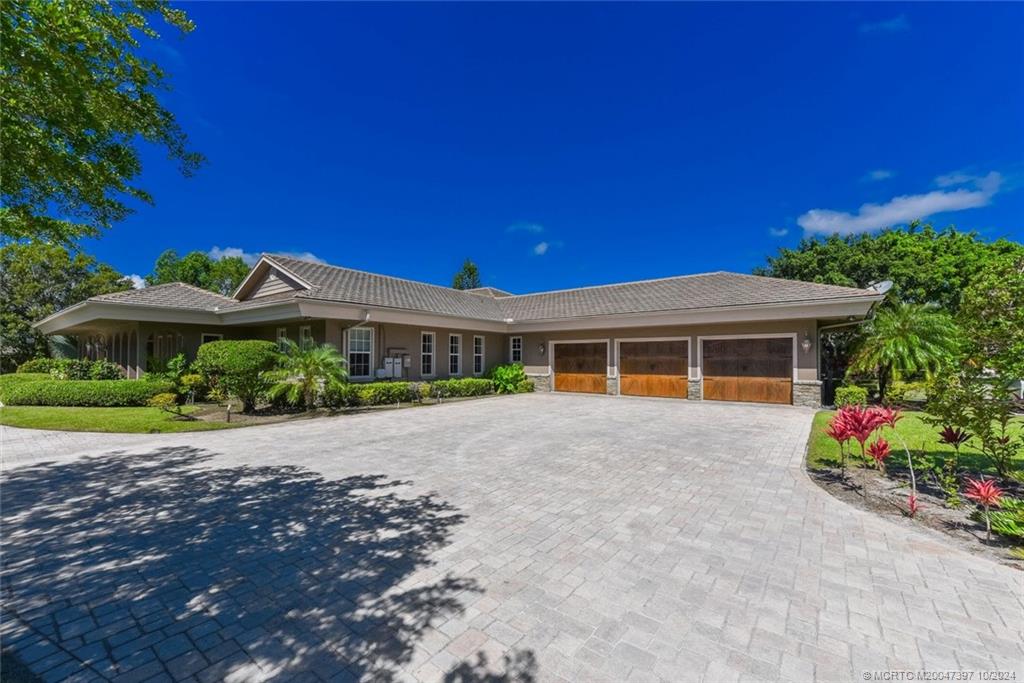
[574,144]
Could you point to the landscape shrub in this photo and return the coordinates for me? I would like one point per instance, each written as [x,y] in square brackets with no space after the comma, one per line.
[507,378]
[7,382]
[104,369]
[461,387]
[851,395]
[167,401]
[236,367]
[107,393]
[191,383]
[904,392]
[38,365]
[526,386]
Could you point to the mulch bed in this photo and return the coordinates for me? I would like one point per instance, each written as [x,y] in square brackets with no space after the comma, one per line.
[887,496]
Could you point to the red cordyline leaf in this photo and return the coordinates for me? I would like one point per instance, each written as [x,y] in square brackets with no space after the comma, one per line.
[861,422]
[985,492]
[879,450]
[912,504]
[838,429]
[953,436]
[888,416]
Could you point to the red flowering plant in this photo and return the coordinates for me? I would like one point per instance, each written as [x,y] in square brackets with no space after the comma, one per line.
[861,423]
[879,451]
[986,493]
[840,432]
[955,437]
[912,504]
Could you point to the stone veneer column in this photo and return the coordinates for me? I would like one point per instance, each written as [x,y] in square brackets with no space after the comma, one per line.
[693,390]
[807,393]
[612,386]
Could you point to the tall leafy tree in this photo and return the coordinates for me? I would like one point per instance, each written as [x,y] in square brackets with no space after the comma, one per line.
[197,268]
[468,276]
[926,265]
[992,316]
[905,338]
[37,279]
[78,99]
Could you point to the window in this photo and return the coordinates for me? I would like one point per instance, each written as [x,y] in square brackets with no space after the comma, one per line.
[427,354]
[516,349]
[478,355]
[282,339]
[207,337]
[455,354]
[360,350]
[306,336]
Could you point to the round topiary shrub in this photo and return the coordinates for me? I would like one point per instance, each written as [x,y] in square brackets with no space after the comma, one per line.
[236,367]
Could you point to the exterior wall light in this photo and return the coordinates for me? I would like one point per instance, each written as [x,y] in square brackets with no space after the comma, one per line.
[540,348]
[806,343]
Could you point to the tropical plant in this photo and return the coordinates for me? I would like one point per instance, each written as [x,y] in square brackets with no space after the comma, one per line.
[305,372]
[507,378]
[879,451]
[167,402]
[1009,520]
[905,338]
[839,431]
[987,494]
[955,437]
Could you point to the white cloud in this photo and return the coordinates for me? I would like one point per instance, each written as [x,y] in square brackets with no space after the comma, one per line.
[896,24]
[535,228]
[217,254]
[541,248]
[778,232]
[878,174]
[904,208]
[954,178]
[302,256]
[138,282]
[251,258]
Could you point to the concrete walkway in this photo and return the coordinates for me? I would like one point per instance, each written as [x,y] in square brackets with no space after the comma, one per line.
[546,537]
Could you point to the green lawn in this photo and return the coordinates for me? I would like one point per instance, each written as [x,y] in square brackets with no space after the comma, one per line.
[822,451]
[129,420]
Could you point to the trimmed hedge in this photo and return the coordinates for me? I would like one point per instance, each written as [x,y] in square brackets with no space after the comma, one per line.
[851,395]
[8,382]
[388,393]
[39,365]
[105,393]
[236,368]
[72,368]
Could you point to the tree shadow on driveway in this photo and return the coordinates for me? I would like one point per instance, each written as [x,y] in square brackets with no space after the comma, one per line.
[162,561]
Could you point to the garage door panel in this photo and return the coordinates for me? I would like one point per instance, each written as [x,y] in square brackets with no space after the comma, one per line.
[653,368]
[581,367]
[757,370]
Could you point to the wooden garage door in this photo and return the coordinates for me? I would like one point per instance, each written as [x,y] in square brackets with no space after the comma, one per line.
[653,368]
[581,367]
[759,370]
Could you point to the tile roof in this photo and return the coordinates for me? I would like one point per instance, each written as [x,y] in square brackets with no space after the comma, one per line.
[344,285]
[172,295]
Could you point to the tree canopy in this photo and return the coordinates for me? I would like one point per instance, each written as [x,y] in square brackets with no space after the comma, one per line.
[468,276]
[78,99]
[198,268]
[37,279]
[992,316]
[926,265]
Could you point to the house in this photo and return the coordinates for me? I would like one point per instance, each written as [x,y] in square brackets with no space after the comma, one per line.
[712,336]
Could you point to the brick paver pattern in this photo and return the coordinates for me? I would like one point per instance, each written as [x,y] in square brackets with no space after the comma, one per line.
[545,537]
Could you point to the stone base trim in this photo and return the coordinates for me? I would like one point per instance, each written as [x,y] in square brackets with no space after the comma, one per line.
[612,386]
[693,390]
[541,382]
[807,393]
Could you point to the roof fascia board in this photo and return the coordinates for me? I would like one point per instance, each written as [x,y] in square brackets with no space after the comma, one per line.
[314,309]
[97,310]
[858,306]
[283,310]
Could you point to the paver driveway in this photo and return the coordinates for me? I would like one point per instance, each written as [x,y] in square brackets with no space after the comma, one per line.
[547,536]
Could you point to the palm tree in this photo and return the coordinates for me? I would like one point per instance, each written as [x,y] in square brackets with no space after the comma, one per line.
[305,371]
[905,338]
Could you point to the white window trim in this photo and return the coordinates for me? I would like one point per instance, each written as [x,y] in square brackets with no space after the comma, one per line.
[551,354]
[348,336]
[511,358]
[457,355]
[282,335]
[432,354]
[690,374]
[306,330]
[218,335]
[776,335]
[482,355]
